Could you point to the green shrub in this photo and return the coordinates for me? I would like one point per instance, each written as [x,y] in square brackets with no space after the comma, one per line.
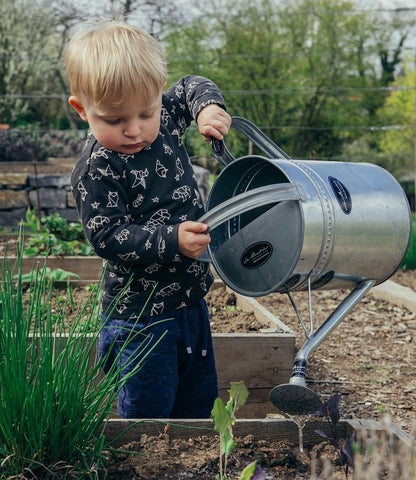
[409,261]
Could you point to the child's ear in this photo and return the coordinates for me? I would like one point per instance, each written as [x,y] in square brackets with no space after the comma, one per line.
[78,107]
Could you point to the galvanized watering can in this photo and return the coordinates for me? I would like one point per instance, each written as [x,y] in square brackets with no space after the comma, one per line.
[282,225]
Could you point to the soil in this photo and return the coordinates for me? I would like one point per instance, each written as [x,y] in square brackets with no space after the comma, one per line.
[369,359]
[176,459]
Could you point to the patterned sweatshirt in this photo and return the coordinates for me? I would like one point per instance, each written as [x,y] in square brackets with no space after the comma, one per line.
[131,205]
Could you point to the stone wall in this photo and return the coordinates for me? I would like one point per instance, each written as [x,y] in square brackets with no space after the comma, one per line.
[46,187]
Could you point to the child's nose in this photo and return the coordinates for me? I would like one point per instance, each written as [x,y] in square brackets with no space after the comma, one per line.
[132,129]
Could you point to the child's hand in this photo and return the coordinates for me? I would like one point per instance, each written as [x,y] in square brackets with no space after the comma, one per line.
[213,121]
[193,238]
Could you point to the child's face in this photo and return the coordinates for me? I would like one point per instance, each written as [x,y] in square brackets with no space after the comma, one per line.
[127,128]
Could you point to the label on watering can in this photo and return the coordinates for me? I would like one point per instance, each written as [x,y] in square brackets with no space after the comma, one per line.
[256,254]
[342,194]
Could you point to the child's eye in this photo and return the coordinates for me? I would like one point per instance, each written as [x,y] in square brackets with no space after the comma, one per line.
[146,116]
[113,122]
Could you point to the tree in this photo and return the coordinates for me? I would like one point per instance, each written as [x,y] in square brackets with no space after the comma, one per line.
[324,41]
[33,35]
[27,38]
[397,142]
[310,73]
[249,63]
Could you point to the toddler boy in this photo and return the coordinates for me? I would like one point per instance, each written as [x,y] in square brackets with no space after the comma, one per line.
[138,202]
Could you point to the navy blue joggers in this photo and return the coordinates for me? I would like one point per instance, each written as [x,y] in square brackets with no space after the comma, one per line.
[178,378]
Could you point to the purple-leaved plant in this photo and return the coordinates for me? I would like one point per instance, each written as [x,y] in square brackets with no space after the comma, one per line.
[330,410]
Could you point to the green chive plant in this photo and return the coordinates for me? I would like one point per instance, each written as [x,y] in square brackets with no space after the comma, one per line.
[54,400]
[224,418]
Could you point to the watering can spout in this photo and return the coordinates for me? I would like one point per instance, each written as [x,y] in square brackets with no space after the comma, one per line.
[294,398]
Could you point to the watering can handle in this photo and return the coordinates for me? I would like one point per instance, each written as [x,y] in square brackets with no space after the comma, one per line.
[250,200]
[254,134]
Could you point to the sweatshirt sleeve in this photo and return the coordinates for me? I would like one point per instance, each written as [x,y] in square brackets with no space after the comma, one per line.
[186,98]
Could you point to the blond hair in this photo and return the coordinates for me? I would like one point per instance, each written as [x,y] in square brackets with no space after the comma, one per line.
[110,61]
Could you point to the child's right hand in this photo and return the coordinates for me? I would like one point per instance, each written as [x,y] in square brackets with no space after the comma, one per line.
[193,238]
[213,122]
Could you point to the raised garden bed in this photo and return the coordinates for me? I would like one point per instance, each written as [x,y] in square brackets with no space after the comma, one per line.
[87,268]
[189,449]
[377,329]
[288,431]
[262,358]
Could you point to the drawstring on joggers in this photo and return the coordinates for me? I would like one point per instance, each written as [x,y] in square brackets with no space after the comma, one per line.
[187,335]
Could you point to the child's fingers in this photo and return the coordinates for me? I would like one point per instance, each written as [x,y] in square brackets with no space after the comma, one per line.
[195,227]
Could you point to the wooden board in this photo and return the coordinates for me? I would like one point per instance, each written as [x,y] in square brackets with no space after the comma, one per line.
[87,268]
[261,361]
[122,431]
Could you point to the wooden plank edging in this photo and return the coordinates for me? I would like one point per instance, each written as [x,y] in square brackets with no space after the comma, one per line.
[122,431]
[392,292]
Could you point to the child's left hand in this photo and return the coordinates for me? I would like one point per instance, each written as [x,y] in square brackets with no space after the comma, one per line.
[213,121]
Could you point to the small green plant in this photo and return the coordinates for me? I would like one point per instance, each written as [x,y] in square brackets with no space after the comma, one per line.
[54,235]
[56,275]
[224,419]
[227,308]
[232,308]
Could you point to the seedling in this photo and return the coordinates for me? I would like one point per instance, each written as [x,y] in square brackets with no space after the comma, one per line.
[53,275]
[224,419]
[53,235]
[330,410]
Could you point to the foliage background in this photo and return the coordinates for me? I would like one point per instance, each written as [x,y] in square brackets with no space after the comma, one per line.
[328,79]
